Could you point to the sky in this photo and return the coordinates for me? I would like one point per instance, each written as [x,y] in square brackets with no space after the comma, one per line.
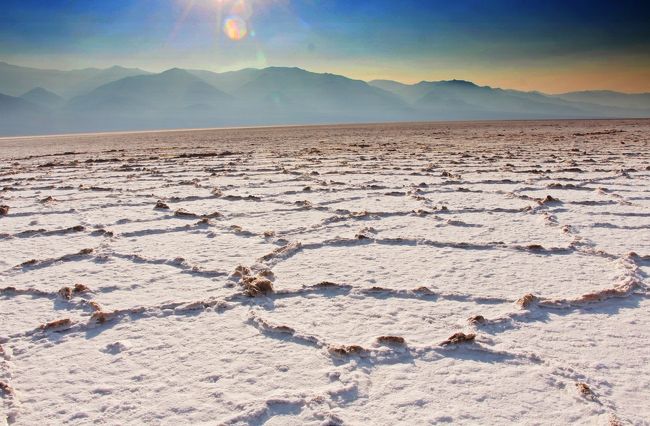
[546,45]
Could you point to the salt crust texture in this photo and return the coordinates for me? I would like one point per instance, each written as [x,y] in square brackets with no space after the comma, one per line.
[465,273]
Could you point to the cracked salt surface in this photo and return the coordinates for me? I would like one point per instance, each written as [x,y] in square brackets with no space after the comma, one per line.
[469,273]
[477,271]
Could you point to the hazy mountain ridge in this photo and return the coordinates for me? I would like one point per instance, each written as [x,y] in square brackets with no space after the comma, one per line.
[228,81]
[294,89]
[17,115]
[16,80]
[119,98]
[609,98]
[463,96]
[43,97]
[172,89]
[14,105]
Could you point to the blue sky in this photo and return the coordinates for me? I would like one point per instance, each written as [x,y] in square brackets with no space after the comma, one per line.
[546,45]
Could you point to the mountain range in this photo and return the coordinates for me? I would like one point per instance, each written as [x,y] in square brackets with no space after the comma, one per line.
[37,101]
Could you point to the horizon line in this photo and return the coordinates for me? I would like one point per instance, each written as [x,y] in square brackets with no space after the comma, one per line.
[289,126]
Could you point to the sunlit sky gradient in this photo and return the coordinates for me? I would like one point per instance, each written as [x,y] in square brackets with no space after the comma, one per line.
[548,45]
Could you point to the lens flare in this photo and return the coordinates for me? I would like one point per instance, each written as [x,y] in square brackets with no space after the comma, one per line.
[235,28]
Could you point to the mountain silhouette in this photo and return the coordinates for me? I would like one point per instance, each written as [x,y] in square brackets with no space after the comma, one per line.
[460,99]
[14,105]
[17,115]
[43,97]
[609,98]
[228,81]
[118,98]
[301,96]
[16,80]
[170,90]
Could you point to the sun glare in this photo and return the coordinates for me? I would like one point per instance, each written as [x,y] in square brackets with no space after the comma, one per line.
[233,17]
[238,14]
[235,28]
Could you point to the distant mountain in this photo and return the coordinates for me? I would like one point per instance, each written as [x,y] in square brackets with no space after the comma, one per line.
[19,116]
[42,97]
[16,80]
[14,105]
[461,96]
[609,98]
[459,99]
[408,92]
[229,81]
[98,77]
[297,88]
[269,96]
[173,89]
[119,98]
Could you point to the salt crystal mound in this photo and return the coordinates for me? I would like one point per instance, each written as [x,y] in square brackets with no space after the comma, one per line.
[467,273]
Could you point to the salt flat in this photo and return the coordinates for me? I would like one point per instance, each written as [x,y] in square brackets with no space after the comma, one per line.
[317,275]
